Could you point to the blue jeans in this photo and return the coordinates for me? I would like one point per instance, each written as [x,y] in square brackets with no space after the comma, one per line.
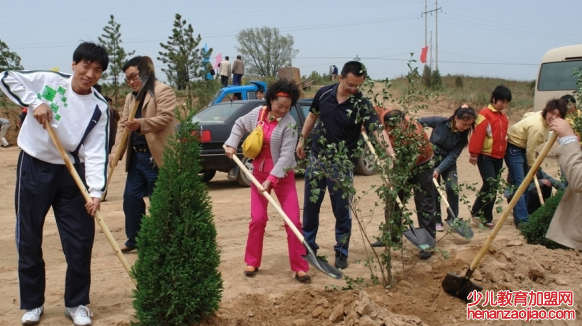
[340,207]
[141,177]
[236,79]
[516,162]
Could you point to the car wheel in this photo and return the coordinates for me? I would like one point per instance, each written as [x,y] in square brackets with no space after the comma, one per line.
[366,164]
[207,175]
[242,178]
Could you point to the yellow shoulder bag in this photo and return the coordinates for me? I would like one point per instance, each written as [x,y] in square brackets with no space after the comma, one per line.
[254,143]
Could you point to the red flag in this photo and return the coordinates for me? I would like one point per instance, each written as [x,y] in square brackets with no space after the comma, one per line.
[423,54]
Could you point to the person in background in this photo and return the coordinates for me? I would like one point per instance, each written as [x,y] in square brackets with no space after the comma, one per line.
[487,149]
[334,74]
[449,136]
[566,226]
[150,130]
[522,140]
[259,94]
[546,183]
[573,112]
[425,194]
[341,111]
[78,116]
[22,116]
[4,126]
[238,70]
[273,168]
[225,71]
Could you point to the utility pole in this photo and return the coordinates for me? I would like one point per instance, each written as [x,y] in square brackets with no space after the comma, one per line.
[435,10]
[425,18]
[430,62]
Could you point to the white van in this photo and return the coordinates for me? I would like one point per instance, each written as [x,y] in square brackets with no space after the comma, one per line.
[555,77]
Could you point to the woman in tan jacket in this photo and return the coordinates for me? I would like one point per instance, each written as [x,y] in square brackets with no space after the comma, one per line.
[566,225]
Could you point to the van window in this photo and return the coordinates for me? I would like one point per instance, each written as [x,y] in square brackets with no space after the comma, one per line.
[558,76]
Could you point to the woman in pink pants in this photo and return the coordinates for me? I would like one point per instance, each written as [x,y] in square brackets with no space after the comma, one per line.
[273,168]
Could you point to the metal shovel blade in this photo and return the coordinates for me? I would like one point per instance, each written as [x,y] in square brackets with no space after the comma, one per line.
[147,77]
[458,286]
[461,227]
[321,264]
[419,237]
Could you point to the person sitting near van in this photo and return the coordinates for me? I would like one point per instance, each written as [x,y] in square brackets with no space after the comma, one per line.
[522,140]
[546,183]
[573,112]
[487,149]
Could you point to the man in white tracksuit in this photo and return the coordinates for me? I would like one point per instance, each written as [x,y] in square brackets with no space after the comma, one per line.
[80,119]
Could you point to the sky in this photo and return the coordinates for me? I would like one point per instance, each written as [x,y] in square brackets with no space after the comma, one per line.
[493,38]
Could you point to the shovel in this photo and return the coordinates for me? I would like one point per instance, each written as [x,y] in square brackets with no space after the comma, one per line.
[461,286]
[537,184]
[458,225]
[83,190]
[147,78]
[418,236]
[311,258]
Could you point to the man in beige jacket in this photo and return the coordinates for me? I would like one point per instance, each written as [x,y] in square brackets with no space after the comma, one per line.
[566,225]
[154,122]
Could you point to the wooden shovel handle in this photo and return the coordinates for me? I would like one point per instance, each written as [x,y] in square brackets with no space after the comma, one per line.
[443,197]
[122,146]
[87,197]
[373,150]
[254,180]
[539,190]
[512,203]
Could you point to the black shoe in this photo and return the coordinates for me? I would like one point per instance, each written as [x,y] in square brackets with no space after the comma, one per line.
[424,254]
[378,244]
[341,261]
[127,249]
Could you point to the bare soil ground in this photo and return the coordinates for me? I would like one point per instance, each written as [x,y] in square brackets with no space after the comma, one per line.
[273,297]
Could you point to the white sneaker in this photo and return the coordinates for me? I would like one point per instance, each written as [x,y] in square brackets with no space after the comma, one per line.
[80,315]
[32,317]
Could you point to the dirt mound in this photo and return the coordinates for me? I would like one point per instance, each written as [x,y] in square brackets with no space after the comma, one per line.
[418,299]
[310,307]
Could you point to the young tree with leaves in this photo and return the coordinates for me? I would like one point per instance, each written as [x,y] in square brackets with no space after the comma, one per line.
[183,57]
[177,266]
[8,60]
[111,40]
[265,50]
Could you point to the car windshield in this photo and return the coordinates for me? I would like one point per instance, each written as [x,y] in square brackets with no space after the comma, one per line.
[217,113]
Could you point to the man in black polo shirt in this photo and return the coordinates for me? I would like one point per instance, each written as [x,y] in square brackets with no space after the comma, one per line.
[340,110]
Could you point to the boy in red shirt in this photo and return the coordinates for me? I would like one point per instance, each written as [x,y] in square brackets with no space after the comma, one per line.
[487,148]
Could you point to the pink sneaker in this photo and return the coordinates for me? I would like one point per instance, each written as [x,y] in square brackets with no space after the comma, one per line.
[489,225]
